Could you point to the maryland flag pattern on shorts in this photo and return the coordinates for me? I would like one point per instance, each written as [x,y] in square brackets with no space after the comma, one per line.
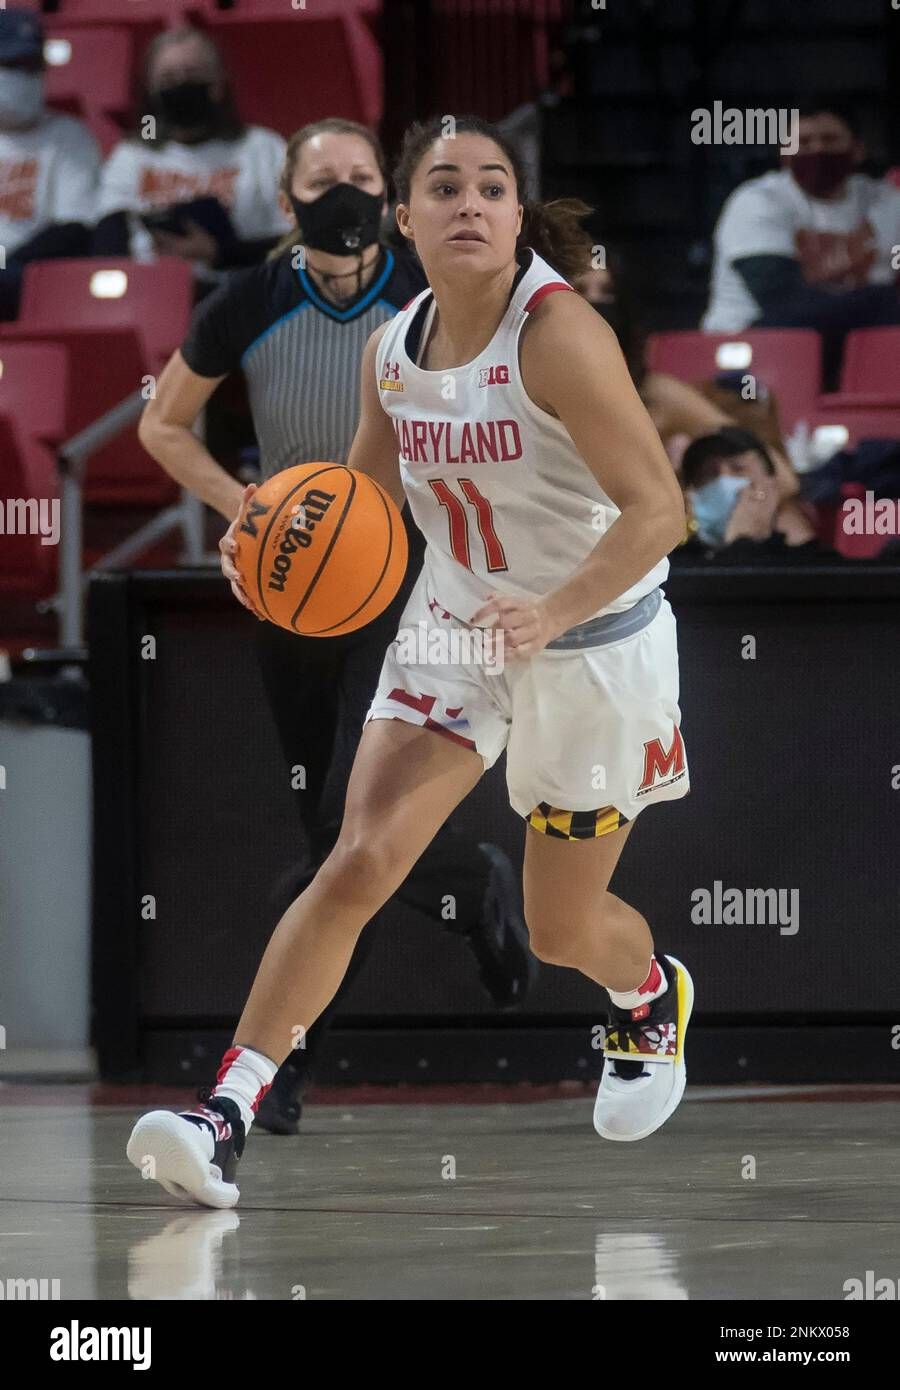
[575,825]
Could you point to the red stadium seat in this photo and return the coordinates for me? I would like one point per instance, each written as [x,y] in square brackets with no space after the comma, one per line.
[858,546]
[119,322]
[330,50]
[33,390]
[89,73]
[787,360]
[156,12]
[27,472]
[860,419]
[871,365]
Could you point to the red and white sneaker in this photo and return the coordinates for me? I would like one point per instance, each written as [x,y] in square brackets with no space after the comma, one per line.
[193,1155]
[644,1072]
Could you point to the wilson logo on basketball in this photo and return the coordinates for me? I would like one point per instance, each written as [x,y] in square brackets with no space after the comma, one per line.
[493,376]
[668,763]
[298,535]
[390,380]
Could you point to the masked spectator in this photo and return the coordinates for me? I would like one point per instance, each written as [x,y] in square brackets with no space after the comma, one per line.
[194,180]
[810,245]
[49,163]
[735,494]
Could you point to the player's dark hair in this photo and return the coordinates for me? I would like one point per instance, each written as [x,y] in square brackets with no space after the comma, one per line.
[725,443]
[329,125]
[552,229]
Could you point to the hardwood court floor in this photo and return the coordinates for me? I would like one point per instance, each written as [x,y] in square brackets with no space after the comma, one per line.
[467,1201]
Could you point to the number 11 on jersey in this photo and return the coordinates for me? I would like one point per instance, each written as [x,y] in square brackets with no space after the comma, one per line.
[459,523]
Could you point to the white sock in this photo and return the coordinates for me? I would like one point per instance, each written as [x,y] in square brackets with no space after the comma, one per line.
[654,985]
[244,1077]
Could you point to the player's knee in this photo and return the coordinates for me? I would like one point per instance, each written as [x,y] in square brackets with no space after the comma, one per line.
[363,866]
[550,942]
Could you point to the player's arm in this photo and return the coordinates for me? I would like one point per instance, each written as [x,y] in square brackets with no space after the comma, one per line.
[374,447]
[572,367]
[166,432]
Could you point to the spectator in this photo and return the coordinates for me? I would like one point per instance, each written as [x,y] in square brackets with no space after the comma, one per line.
[809,245]
[735,495]
[193,180]
[49,164]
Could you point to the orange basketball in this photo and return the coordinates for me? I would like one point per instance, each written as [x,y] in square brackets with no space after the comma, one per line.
[322,549]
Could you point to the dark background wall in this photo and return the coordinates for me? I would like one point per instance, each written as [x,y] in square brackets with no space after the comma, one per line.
[791,757]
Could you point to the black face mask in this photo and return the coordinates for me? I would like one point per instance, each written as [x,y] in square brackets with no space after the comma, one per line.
[343,221]
[187,105]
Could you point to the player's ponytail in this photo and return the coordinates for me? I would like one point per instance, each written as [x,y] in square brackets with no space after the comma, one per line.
[552,229]
[555,232]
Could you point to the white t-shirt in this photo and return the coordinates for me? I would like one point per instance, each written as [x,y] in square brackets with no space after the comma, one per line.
[773,216]
[243,174]
[47,174]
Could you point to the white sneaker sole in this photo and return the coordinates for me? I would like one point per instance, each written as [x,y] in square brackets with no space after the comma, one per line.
[685,986]
[175,1150]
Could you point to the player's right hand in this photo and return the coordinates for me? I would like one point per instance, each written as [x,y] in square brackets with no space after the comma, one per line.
[228,552]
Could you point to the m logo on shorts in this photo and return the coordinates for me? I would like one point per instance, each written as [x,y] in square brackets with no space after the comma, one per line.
[667,764]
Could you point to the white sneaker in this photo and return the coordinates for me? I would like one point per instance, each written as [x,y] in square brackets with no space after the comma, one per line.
[192,1155]
[644,1072]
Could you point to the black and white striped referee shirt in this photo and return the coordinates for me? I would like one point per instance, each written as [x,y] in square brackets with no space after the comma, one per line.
[300,354]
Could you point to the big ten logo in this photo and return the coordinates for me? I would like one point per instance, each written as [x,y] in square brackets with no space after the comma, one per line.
[494,376]
[148,1167]
[148,127]
[297,1291]
[298,778]
[448,907]
[148,647]
[448,1167]
[448,387]
[148,387]
[748,1167]
[598,777]
[298,1037]
[598,1037]
[148,907]
[298,257]
[748,647]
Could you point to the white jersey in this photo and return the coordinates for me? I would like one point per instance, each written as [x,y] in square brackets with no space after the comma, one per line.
[504,499]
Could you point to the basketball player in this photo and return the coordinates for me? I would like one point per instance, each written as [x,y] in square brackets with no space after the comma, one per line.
[499,403]
[297,326]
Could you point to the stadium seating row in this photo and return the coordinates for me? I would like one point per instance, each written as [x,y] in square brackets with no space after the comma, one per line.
[304,61]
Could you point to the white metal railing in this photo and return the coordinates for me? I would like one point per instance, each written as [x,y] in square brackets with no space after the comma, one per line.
[72,457]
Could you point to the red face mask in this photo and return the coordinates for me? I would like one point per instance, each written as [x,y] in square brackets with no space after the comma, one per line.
[820,174]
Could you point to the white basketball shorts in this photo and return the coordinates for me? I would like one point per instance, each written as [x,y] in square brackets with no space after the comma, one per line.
[592,734]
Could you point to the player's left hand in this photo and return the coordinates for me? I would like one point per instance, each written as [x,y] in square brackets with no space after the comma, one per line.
[524,622]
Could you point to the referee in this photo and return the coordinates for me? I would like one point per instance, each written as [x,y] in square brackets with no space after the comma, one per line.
[297,325]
